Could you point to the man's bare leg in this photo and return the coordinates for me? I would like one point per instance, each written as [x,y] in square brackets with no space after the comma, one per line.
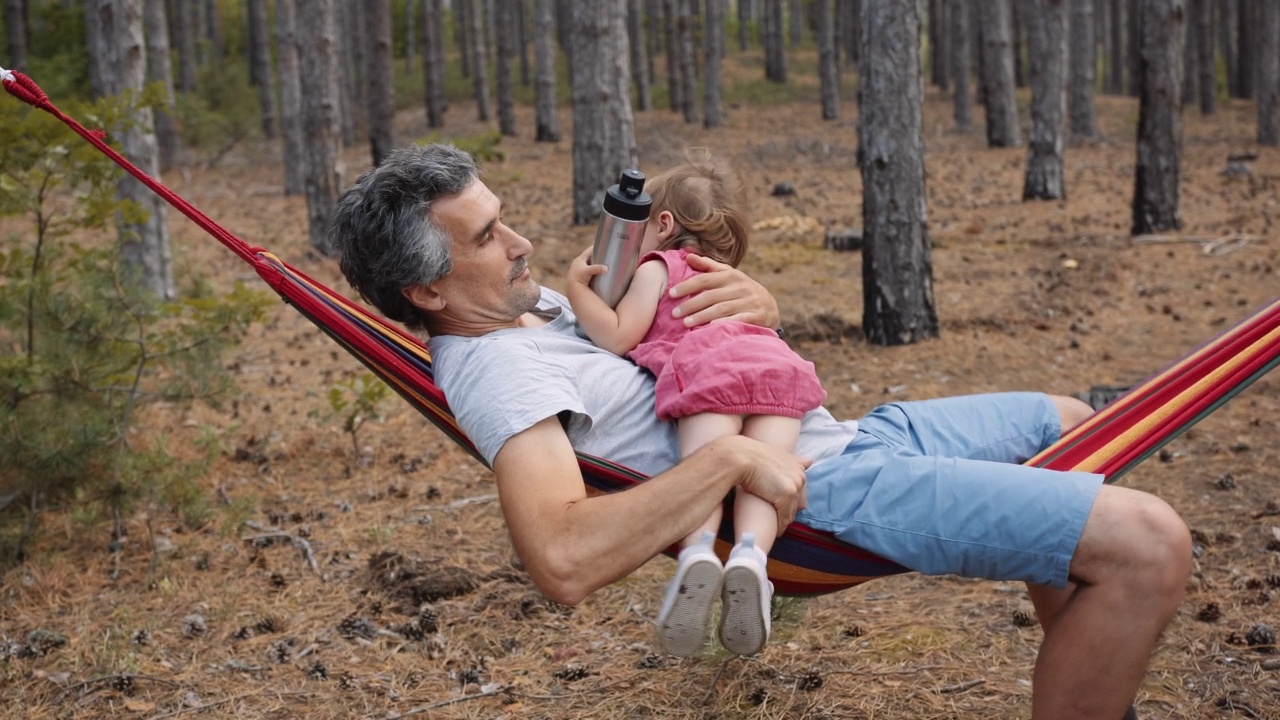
[1129,572]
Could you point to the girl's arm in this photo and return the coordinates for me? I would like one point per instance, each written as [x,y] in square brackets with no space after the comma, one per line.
[621,329]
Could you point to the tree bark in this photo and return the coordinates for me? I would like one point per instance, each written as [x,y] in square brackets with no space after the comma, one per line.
[382,93]
[546,112]
[713,112]
[144,245]
[1190,56]
[213,30]
[775,54]
[318,57]
[433,62]
[1207,65]
[1115,47]
[1047,44]
[998,75]
[261,73]
[352,98]
[1268,69]
[961,51]
[828,64]
[604,139]
[290,98]
[160,70]
[1247,48]
[795,23]
[504,29]
[744,25]
[688,72]
[185,25]
[461,10]
[938,43]
[410,36]
[522,40]
[675,84]
[897,271]
[1228,26]
[639,63]
[1158,172]
[652,36]
[1084,64]
[479,60]
[15,24]
[1133,27]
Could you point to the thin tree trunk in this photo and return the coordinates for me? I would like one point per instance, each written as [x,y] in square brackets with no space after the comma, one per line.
[961,51]
[261,72]
[639,63]
[1190,56]
[998,76]
[1133,19]
[479,60]
[744,25]
[688,73]
[547,113]
[1019,65]
[410,36]
[187,58]
[1268,68]
[213,30]
[775,53]
[828,64]
[1047,45]
[675,86]
[97,29]
[461,10]
[897,270]
[1207,66]
[938,43]
[1115,48]
[505,35]
[1084,63]
[1247,58]
[522,40]
[714,32]
[795,23]
[290,98]
[433,62]
[652,36]
[1228,26]
[15,24]
[1159,167]
[160,70]
[604,140]
[318,58]
[382,94]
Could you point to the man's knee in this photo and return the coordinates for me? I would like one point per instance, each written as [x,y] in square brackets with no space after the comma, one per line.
[1135,537]
[1071,411]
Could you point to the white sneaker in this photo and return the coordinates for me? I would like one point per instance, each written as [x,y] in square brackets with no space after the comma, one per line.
[744,599]
[686,606]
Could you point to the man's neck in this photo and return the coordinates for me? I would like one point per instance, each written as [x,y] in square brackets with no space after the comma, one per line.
[449,326]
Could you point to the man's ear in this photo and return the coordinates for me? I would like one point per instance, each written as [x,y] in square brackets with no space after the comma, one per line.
[425,297]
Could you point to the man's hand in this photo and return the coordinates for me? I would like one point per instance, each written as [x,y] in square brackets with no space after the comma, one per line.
[770,473]
[722,292]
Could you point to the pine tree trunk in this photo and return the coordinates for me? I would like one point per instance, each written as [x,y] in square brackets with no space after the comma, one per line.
[1247,48]
[382,93]
[775,54]
[938,45]
[318,58]
[604,138]
[1228,26]
[144,245]
[15,24]
[1084,64]
[261,73]
[1047,44]
[652,36]
[828,64]
[504,28]
[410,36]
[522,40]
[795,23]
[433,62]
[688,72]
[1268,68]
[188,61]
[547,113]
[100,45]
[744,25]
[1133,19]
[1115,48]
[639,63]
[1190,56]
[1158,172]
[1207,66]
[461,10]
[961,51]
[1019,65]
[897,271]
[671,36]
[713,31]
[160,70]
[295,161]
[479,60]
[998,75]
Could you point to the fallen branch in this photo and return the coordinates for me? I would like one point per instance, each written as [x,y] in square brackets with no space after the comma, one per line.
[961,687]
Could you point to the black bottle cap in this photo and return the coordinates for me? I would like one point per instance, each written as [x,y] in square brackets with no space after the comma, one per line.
[627,200]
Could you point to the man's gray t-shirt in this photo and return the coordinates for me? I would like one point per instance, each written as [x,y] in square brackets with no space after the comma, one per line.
[503,383]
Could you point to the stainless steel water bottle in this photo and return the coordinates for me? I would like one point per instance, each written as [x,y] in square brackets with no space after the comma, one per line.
[619,235]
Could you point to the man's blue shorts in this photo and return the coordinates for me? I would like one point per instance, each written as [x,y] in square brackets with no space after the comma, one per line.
[936,486]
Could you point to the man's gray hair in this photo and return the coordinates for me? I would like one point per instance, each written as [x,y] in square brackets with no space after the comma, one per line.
[382,229]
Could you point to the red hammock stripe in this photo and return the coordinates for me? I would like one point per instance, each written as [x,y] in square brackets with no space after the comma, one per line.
[804,561]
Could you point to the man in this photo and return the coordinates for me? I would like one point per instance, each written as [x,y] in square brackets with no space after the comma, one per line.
[930,485]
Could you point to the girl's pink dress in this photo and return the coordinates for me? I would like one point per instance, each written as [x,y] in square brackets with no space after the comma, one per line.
[730,368]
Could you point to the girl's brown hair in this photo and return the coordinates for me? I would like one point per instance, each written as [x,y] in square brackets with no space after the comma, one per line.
[709,203]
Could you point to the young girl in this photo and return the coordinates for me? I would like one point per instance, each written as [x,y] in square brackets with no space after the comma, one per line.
[722,378]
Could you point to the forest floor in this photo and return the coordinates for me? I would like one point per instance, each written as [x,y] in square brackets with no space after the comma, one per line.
[1053,296]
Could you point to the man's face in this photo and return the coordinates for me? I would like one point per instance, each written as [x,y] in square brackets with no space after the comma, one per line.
[489,285]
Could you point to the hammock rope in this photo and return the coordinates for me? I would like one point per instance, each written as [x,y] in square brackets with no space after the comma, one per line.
[804,561]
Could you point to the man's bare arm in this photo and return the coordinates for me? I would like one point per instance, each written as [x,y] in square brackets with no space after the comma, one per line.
[573,544]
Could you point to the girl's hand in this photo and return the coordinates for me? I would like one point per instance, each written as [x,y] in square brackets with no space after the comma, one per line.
[722,292]
[581,270]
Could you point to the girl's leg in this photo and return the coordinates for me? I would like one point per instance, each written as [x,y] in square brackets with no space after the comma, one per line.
[750,513]
[694,432]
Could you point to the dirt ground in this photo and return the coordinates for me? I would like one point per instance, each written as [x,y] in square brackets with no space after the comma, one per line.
[414,605]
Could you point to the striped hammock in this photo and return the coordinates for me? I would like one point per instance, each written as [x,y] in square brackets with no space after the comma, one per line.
[804,561]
